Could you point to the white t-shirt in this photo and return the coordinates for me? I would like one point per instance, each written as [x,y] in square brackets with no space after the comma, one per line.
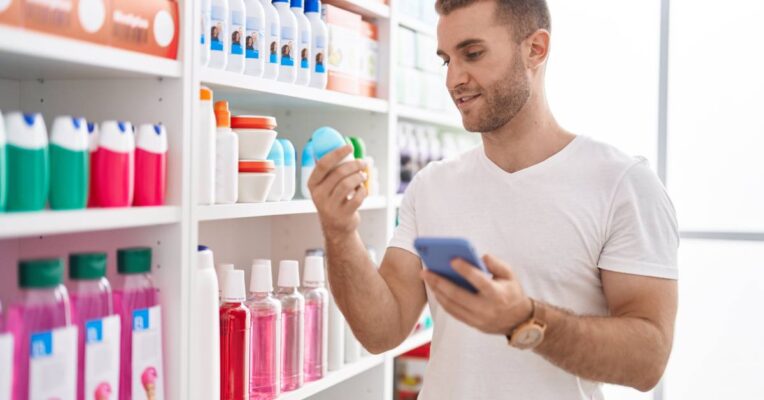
[557,223]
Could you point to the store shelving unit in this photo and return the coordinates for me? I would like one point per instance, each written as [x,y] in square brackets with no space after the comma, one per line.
[59,76]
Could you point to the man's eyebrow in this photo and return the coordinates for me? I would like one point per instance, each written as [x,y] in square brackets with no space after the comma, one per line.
[461,45]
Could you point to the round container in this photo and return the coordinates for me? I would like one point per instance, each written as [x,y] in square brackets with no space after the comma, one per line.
[255,180]
[256,135]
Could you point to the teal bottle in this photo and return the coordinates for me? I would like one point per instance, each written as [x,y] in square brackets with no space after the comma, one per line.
[27,153]
[69,164]
[3,167]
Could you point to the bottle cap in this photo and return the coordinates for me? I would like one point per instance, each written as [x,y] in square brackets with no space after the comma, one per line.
[253,122]
[205,93]
[296,3]
[87,266]
[222,114]
[220,271]
[233,290]
[41,274]
[152,138]
[277,153]
[289,274]
[312,6]
[314,272]
[261,280]
[205,259]
[257,166]
[70,133]
[359,147]
[308,158]
[289,155]
[135,260]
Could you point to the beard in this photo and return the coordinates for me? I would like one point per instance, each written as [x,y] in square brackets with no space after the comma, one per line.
[503,101]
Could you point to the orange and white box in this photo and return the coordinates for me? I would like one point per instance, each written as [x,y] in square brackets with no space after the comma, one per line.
[145,26]
[78,19]
[10,12]
[368,60]
[344,45]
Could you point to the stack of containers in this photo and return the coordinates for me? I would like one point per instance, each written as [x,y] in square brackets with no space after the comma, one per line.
[256,136]
[353,52]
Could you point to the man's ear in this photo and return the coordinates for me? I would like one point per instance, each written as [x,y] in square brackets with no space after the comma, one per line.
[536,48]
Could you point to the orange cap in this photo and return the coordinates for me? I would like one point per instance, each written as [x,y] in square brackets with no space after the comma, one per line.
[222,114]
[205,93]
[257,166]
[253,122]
[369,30]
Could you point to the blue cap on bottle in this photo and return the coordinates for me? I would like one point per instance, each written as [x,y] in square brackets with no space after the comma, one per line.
[296,3]
[308,159]
[280,1]
[277,154]
[326,140]
[289,152]
[312,6]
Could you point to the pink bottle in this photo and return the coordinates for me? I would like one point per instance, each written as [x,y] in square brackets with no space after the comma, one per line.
[136,292]
[114,167]
[235,338]
[150,165]
[93,138]
[292,326]
[44,307]
[265,381]
[316,319]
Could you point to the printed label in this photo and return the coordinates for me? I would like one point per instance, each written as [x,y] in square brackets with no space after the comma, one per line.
[102,358]
[254,40]
[53,364]
[148,376]
[237,33]
[343,54]
[273,45]
[304,50]
[6,365]
[204,27]
[287,47]
[320,45]
[218,31]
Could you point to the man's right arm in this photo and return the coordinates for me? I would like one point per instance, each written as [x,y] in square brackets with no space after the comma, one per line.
[381,306]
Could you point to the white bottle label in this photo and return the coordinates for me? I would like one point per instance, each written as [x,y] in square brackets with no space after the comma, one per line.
[320,45]
[237,32]
[6,364]
[53,364]
[304,50]
[148,376]
[254,39]
[287,47]
[218,31]
[102,357]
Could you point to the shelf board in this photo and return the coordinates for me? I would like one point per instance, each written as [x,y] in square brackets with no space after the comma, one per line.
[29,55]
[414,341]
[417,25]
[239,89]
[16,225]
[367,8]
[335,377]
[440,118]
[235,211]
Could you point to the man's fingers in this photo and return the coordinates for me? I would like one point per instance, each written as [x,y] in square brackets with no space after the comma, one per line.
[479,279]
[498,268]
[325,165]
[458,294]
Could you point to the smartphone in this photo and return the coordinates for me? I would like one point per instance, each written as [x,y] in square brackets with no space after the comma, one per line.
[438,252]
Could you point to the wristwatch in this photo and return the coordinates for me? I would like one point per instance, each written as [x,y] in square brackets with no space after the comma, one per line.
[530,333]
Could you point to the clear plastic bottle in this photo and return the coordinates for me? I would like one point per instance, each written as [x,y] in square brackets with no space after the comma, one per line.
[272,40]
[318,42]
[265,360]
[292,326]
[254,39]
[288,43]
[205,328]
[226,158]
[219,21]
[236,28]
[316,319]
[303,54]
[235,323]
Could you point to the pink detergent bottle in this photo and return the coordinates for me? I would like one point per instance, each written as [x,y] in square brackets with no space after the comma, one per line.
[316,318]
[292,326]
[114,167]
[93,138]
[41,325]
[150,165]
[265,351]
[137,302]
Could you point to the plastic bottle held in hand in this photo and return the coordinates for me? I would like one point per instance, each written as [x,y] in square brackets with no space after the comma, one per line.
[114,168]
[307,165]
[226,158]
[150,165]
[254,39]
[302,51]
[292,326]
[236,28]
[265,360]
[235,336]
[28,170]
[316,319]
[272,38]
[219,41]
[206,148]
[205,328]
[277,156]
[288,44]
[318,42]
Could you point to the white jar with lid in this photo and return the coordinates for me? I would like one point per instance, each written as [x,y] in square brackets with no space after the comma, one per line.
[256,135]
[255,180]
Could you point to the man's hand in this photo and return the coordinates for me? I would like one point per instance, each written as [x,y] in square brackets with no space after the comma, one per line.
[498,307]
[337,190]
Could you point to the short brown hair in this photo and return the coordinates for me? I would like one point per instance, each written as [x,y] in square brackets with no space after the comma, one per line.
[527,16]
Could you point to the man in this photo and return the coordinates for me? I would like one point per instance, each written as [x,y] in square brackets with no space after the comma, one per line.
[582,238]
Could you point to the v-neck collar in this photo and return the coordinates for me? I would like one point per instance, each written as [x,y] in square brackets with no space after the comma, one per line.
[534,169]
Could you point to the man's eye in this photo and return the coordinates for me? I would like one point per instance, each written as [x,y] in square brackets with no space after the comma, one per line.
[474,55]
[445,63]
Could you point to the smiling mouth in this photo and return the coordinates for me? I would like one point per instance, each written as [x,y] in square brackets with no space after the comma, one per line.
[464,101]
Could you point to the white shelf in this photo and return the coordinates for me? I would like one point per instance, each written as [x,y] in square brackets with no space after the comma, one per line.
[234,211]
[414,341]
[13,225]
[240,89]
[440,118]
[417,25]
[366,8]
[21,58]
[335,377]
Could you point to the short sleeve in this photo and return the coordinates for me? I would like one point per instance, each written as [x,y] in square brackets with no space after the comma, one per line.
[642,236]
[406,232]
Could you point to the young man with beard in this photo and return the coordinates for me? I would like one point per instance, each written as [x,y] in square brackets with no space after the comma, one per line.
[582,238]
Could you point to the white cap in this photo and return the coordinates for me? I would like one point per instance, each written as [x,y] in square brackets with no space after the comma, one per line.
[204,258]
[220,271]
[233,290]
[261,280]
[314,272]
[289,273]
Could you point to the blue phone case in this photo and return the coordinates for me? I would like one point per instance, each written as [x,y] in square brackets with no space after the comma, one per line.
[438,252]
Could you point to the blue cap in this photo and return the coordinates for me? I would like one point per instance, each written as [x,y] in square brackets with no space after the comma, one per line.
[277,154]
[308,159]
[296,3]
[202,248]
[280,1]
[312,6]
[326,140]
[289,152]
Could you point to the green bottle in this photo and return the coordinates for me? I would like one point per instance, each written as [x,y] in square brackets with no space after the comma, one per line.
[3,167]
[69,164]
[27,153]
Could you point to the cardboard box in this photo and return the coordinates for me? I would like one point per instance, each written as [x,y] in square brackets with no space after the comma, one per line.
[10,12]
[147,26]
[368,60]
[344,41]
[86,20]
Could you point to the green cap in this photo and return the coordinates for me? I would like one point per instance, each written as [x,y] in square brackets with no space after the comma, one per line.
[135,260]
[87,266]
[41,274]
[359,147]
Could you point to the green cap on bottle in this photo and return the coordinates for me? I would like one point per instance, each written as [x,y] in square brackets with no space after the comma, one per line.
[135,260]
[41,274]
[87,266]
[359,147]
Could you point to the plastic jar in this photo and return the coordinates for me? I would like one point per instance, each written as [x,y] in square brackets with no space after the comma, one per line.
[255,180]
[256,135]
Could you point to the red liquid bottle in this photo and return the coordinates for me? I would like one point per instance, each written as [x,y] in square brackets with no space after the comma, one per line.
[235,320]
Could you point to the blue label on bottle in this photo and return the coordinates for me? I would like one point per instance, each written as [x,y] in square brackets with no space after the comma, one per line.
[304,63]
[252,54]
[41,344]
[254,38]
[94,331]
[320,68]
[236,49]
[218,29]
[141,320]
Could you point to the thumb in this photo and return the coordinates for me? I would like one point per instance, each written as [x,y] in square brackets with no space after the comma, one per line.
[498,268]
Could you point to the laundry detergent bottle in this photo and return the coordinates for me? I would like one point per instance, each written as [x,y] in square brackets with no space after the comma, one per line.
[28,171]
[150,165]
[94,135]
[3,167]
[114,168]
[69,164]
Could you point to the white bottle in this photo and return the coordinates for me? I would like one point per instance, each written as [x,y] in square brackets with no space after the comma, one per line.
[277,156]
[318,43]
[220,271]
[307,165]
[236,27]
[289,170]
[206,145]
[254,40]
[226,157]
[205,329]
[204,51]
[288,44]
[219,20]
[303,55]
[272,39]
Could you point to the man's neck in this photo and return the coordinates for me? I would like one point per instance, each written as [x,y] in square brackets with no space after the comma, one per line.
[530,138]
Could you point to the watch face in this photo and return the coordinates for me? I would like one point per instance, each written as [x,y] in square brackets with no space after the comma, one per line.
[528,337]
